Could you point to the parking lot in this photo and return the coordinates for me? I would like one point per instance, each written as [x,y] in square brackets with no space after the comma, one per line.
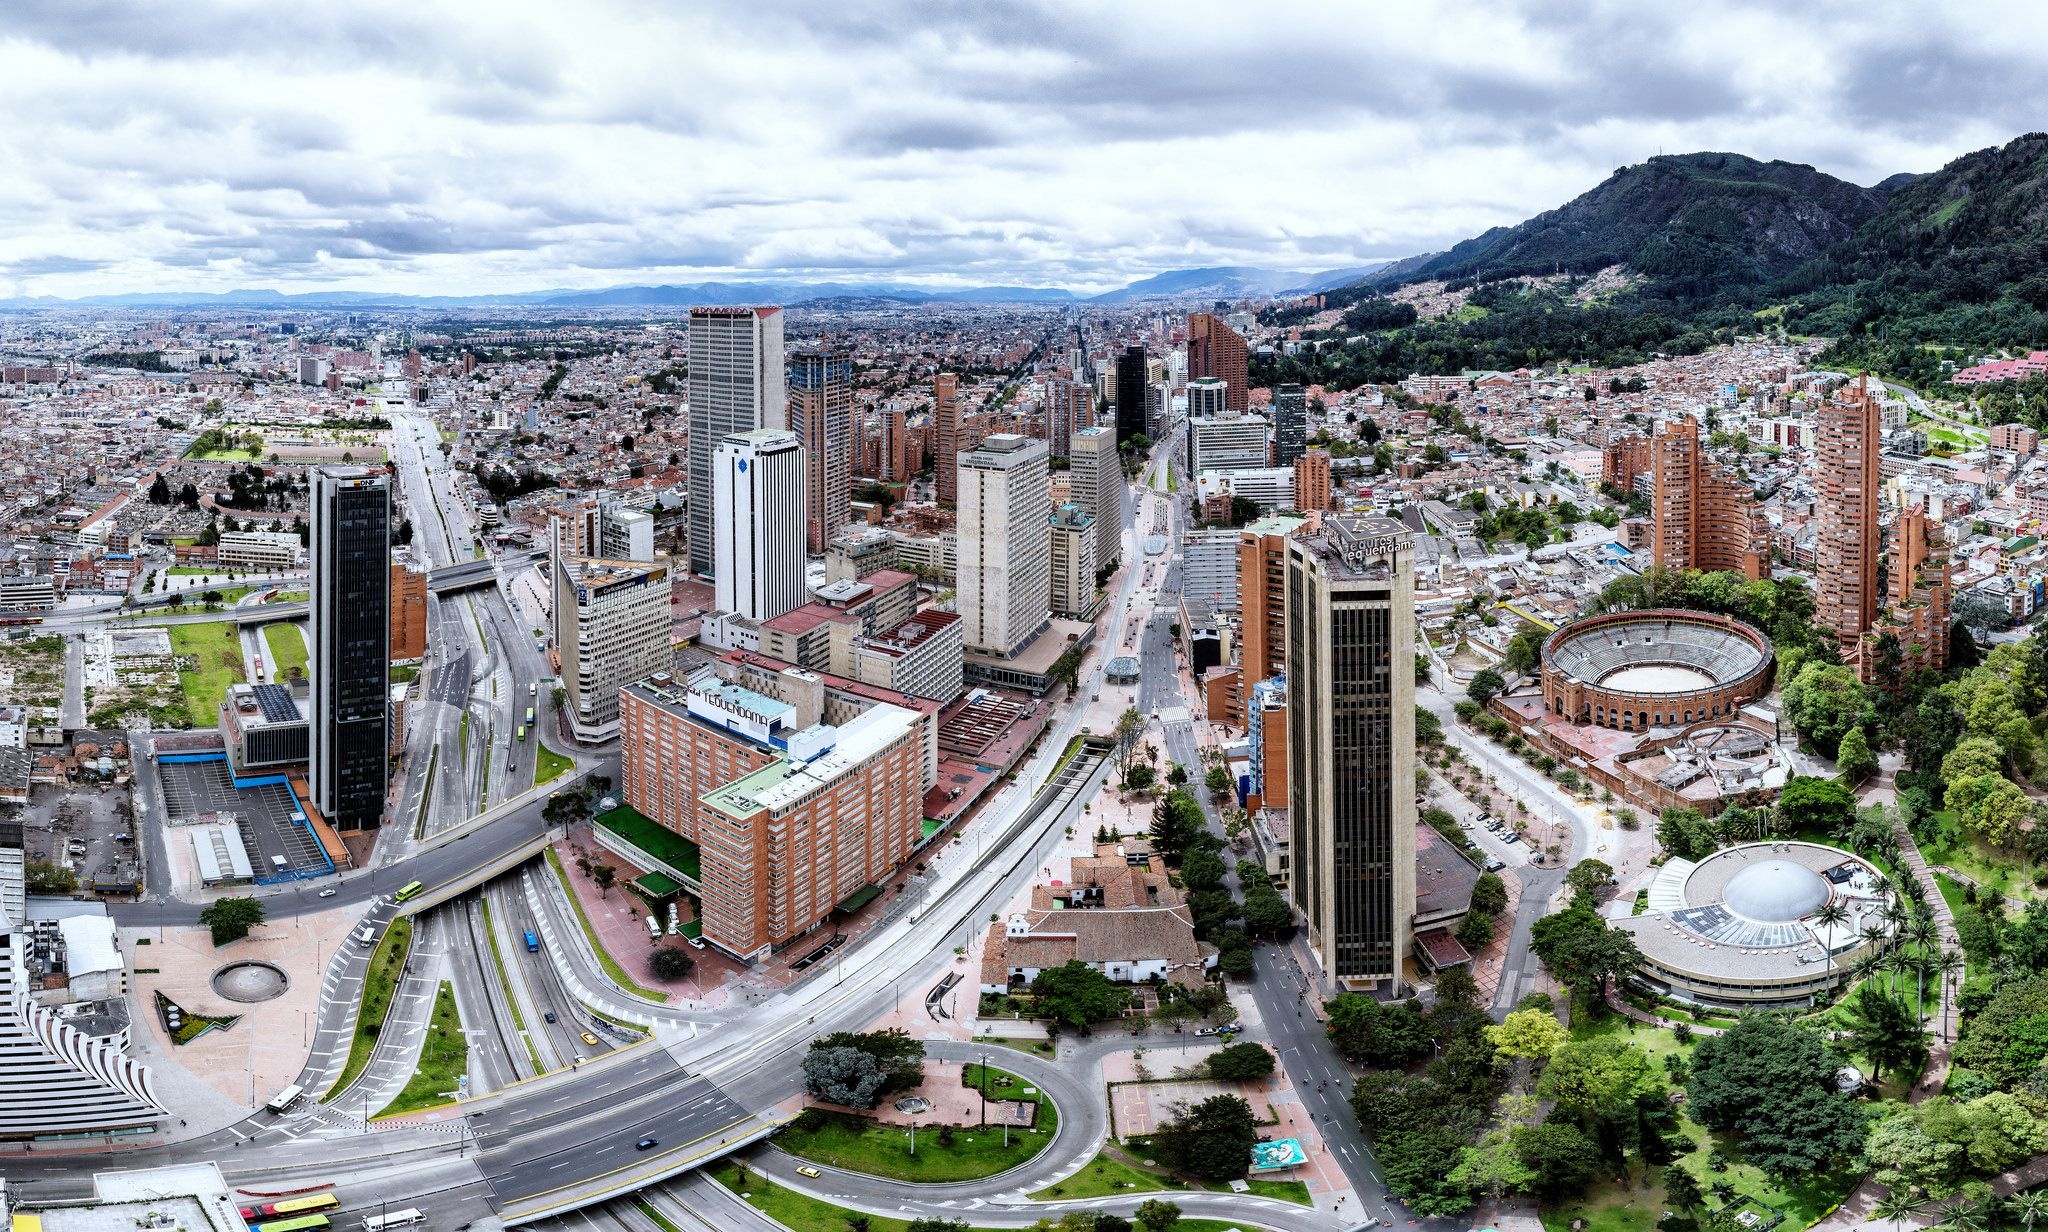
[84,829]
[204,791]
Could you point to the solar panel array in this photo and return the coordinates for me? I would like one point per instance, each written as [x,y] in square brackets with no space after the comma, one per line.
[277,703]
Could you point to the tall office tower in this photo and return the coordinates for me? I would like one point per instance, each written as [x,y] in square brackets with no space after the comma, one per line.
[54,1078]
[1208,397]
[1130,393]
[1312,480]
[821,415]
[737,384]
[1096,483]
[1215,349]
[949,437]
[1072,549]
[351,627]
[1005,591]
[1846,539]
[1068,409]
[13,871]
[758,479]
[1351,746]
[895,446]
[1226,440]
[1919,617]
[1290,424]
[1262,598]
[611,628]
[1704,516]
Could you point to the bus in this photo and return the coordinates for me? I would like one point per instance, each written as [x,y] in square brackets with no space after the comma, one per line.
[396,1219]
[304,1204]
[653,928]
[529,716]
[409,891]
[286,1098]
[522,731]
[303,1223]
[532,942]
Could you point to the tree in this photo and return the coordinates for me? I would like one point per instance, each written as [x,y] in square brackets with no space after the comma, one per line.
[43,877]
[1772,1081]
[1582,951]
[845,1076]
[934,1223]
[1485,686]
[1246,1062]
[1530,1034]
[188,496]
[230,919]
[671,963]
[1129,729]
[1217,780]
[606,876]
[1268,915]
[1880,1025]
[1076,995]
[1373,1033]
[1201,870]
[1158,1215]
[1993,807]
[1853,759]
[1681,1190]
[160,491]
[1140,778]
[1176,775]
[1492,1167]
[1589,876]
[1211,1140]
[1524,649]
[1489,894]
[1561,1159]
[897,1055]
[1475,931]
[1824,701]
[1817,804]
[1601,1080]
[1176,822]
[1683,833]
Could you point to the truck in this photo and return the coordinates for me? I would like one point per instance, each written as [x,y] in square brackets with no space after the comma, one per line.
[366,936]
[532,942]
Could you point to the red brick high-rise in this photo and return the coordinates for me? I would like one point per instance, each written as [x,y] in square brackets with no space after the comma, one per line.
[896,466]
[1919,614]
[1705,517]
[948,439]
[1312,480]
[1215,349]
[1846,542]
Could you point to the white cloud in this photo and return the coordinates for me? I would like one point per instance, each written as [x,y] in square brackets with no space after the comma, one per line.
[433,147]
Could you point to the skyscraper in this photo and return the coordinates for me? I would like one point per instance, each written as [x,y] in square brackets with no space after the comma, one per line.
[758,479]
[821,415]
[1072,545]
[1919,616]
[1096,483]
[895,446]
[1068,409]
[1312,480]
[1351,746]
[1215,349]
[1005,569]
[1704,516]
[948,436]
[1290,424]
[611,628]
[736,385]
[1130,393]
[1846,539]
[350,615]
[1262,598]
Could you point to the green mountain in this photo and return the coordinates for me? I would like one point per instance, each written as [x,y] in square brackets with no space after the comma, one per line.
[1693,224]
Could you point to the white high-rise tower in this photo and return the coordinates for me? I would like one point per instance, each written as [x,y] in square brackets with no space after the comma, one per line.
[1005,567]
[737,384]
[758,557]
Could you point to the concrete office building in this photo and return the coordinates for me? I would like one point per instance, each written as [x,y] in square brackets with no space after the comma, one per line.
[1290,424]
[1071,548]
[1096,483]
[1846,483]
[1216,350]
[606,529]
[821,415]
[1005,582]
[271,551]
[1131,383]
[758,481]
[1351,747]
[1227,440]
[1209,397]
[737,384]
[1704,516]
[350,622]
[949,437]
[54,1077]
[1209,567]
[611,628]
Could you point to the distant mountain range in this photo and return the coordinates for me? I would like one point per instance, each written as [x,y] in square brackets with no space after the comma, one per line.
[1216,282]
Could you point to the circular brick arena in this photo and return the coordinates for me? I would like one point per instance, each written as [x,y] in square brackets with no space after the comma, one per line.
[1634,671]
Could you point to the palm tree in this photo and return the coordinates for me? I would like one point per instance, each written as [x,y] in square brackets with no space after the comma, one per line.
[1951,963]
[1831,914]
[1963,1215]
[1898,1206]
[1925,937]
[2027,1207]
[1867,964]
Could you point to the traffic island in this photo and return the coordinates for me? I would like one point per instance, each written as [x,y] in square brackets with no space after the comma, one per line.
[935,1133]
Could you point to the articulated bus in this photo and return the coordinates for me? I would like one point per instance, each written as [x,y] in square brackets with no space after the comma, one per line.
[409,891]
[304,1204]
[304,1223]
[396,1219]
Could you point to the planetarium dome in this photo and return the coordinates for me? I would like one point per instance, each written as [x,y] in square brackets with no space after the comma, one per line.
[1776,892]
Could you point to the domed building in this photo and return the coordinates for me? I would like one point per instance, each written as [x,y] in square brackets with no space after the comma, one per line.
[1737,929]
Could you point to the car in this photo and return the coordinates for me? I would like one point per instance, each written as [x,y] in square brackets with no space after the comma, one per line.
[548,1014]
[807,1170]
[1222,1030]
[1512,836]
[590,1039]
[646,1144]
[1494,864]
[329,892]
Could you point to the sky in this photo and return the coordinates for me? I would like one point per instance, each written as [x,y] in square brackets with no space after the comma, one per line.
[440,148]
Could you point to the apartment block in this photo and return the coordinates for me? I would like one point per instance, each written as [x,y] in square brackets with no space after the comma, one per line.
[1071,547]
[1004,567]
[1705,516]
[611,628]
[1096,483]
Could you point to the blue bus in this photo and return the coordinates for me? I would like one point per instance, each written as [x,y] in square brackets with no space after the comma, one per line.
[532,942]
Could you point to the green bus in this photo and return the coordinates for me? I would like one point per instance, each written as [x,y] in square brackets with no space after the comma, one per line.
[529,715]
[522,731]
[409,891]
[294,1225]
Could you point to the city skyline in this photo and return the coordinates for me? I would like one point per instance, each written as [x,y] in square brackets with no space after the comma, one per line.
[405,150]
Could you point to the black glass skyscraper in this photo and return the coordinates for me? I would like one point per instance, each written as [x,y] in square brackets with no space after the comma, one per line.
[1290,424]
[1130,393]
[351,627]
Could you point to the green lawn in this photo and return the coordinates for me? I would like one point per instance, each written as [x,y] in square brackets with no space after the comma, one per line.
[860,1144]
[443,1058]
[290,596]
[1107,1176]
[1975,860]
[288,653]
[229,596]
[611,965]
[404,673]
[800,1213]
[216,662]
[380,982]
[197,571]
[549,765]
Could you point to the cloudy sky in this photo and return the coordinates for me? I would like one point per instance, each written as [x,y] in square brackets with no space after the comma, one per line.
[433,147]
